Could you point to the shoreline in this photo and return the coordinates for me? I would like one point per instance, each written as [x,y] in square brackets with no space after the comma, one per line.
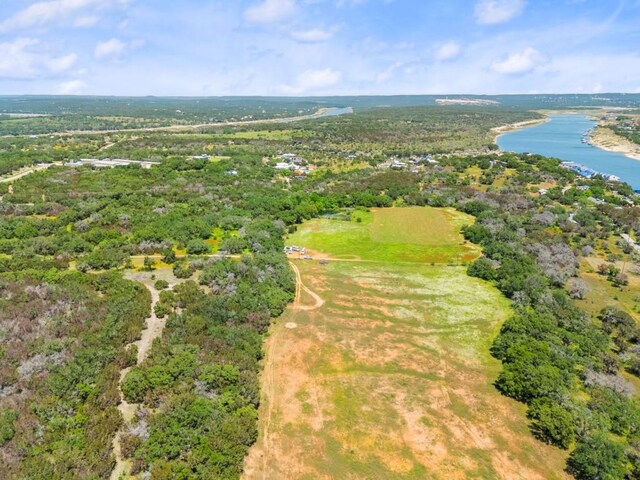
[499,131]
[606,139]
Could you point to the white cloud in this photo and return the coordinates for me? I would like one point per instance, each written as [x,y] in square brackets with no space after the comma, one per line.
[519,63]
[319,78]
[389,72]
[44,12]
[448,51]
[491,12]
[110,48]
[270,11]
[313,35]
[86,21]
[60,64]
[20,59]
[72,87]
[314,81]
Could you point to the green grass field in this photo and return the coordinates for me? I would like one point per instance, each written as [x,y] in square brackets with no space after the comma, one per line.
[415,234]
[390,377]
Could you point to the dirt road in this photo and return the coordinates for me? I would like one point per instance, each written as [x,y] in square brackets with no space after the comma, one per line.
[154,328]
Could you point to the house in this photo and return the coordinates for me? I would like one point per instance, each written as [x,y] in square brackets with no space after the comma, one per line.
[293,158]
[284,166]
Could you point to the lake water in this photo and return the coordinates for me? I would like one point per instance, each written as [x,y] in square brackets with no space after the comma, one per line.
[561,137]
[336,111]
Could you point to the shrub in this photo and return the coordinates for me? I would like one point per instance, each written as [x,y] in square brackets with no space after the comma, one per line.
[162,310]
[161,285]
[551,422]
[482,268]
[135,385]
[7,428]
[169,256]
[233,245]
[197,247]
[598,457]
[183,270]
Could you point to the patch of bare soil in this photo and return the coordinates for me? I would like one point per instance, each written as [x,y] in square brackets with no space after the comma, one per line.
[357,392]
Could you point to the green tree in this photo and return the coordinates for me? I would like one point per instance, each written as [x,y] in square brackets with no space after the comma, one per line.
[598,457]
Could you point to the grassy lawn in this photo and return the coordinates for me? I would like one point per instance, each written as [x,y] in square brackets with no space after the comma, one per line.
[276,135]
[415,234]
[390,376]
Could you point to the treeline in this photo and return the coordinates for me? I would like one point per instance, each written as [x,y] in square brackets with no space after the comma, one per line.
[201,379]
[563,364]
[199,385]
[61,350]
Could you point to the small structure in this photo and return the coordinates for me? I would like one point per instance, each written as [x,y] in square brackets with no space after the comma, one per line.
[108,163]
[284,166]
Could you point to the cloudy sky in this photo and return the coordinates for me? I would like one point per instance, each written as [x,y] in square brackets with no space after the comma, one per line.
[318,47]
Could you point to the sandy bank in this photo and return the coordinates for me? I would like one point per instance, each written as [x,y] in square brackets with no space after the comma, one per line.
[607,139]
[516,126]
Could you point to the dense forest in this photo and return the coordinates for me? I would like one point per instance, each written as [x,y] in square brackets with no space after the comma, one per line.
[68,235]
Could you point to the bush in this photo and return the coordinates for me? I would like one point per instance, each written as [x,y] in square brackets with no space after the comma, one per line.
[482,268]
[131,356]
[551,422]
[162,310]
[161,285]
[597,457]
[219,377]
[183,270]
[169,256]
[197,247]
[7,428]
[135,385]
[233,245]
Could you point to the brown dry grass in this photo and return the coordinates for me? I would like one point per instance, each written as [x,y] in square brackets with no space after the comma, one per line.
[390,378]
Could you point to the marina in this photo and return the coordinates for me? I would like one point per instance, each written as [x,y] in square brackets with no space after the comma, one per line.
[567,137]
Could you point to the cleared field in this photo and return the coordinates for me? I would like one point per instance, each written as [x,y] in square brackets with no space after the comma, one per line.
[381,370]
[415,234]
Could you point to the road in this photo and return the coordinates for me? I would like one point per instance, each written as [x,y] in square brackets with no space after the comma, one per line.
[29,171]
[178,128]
[631,242]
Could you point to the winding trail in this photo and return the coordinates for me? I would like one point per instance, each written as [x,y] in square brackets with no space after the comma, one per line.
[301,287]
[154,328]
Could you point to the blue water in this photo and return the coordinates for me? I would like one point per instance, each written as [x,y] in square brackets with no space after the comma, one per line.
[335,111]
[561,138]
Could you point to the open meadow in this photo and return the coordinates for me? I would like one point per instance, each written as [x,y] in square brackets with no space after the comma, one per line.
[381,367]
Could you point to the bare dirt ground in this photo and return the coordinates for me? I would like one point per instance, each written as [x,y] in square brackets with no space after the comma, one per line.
[388,377]
[607,139]
[27,171]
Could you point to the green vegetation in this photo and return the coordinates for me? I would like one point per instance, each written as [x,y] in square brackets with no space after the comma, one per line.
[396,354]
[68,234]
[64,360]
[391,235]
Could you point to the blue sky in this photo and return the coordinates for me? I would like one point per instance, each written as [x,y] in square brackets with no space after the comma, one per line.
[318,47]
